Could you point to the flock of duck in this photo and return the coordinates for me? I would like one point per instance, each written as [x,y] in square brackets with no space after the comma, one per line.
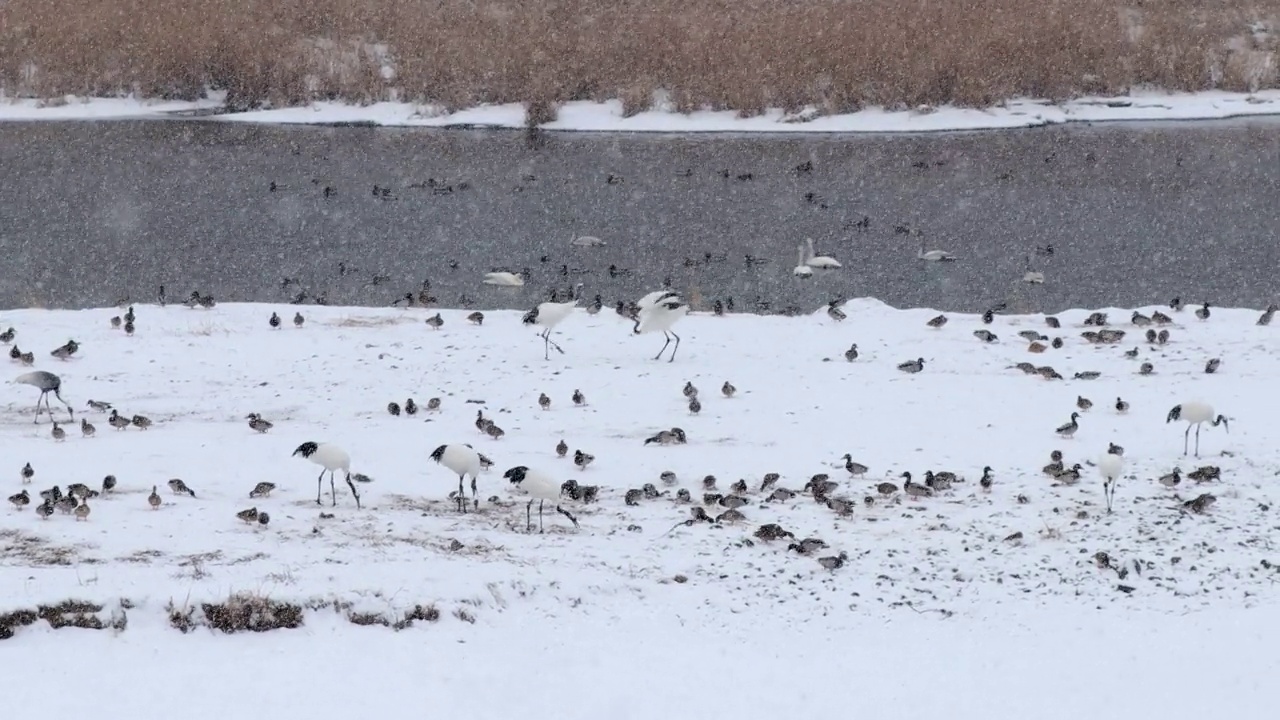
[656,312]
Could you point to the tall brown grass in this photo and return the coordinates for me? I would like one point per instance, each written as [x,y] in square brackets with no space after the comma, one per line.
[744,55]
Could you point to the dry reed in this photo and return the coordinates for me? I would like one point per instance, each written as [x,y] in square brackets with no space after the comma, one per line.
[743,55]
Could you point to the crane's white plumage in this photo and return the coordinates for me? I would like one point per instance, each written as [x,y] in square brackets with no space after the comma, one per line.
[934,255]
[464,461]
[802,269]
[332,458]
[822,262]
[659,312]
[539,486]
[503,279]
[1111,465]
[548,315]
[1195,414]
[47,383]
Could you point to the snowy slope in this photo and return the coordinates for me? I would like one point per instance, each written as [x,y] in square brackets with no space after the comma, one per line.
[799,407]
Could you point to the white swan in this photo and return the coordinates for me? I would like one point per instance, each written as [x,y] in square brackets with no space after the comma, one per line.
[934,255]
[505,279]
[821,262]
[802,270]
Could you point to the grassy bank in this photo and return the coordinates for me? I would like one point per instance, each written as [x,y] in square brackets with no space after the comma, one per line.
[745,55]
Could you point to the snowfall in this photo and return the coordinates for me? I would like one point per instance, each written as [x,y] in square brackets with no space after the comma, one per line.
[966,604]
[608,116]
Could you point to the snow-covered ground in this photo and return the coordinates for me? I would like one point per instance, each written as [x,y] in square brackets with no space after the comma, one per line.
[608,116]
[933,588]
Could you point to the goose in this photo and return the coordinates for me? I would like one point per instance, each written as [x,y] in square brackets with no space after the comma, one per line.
[912,366]
[802,269]
[1171,480]
[1199,504]
[180,488]
[1070,428]
[821,262]
[20,500]
[262,489]
[1206,473]
[1139,320]
[852,353]
[1069,476]
[852,467]
[987,479]
[1122,406]
[504,279]
[1160,318]
[913,489]
[935,482]
[1264,319]
[834,562]
[1203,312]
[728,389]
[248,516]
[933,256]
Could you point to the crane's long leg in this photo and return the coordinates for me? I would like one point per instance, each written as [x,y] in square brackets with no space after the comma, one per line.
[540,528]
[1197,440]
[352,485]
[1186,438]
[44,395]
[474,494]
[552,343]
[666,335]
[674,349]
[333,491]
[528,516]
[462,498]
[566,513]
[70,412]
[319,485]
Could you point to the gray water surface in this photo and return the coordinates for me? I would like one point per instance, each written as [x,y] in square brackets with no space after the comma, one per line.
[92,213]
